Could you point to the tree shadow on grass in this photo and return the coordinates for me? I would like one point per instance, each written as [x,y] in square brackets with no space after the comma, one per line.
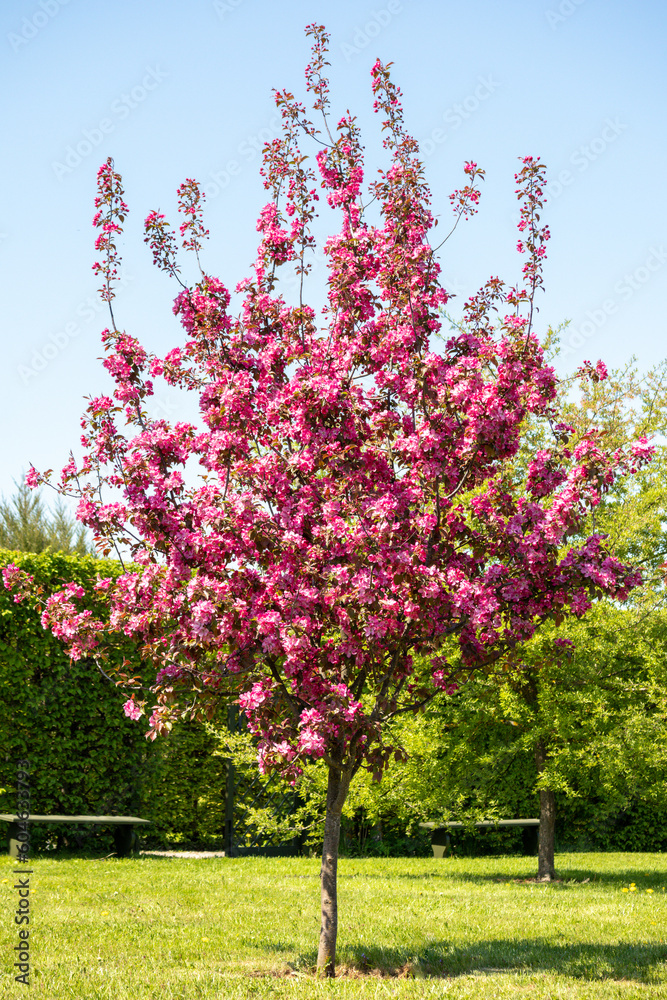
[643,962]
[564,877]
[639,962]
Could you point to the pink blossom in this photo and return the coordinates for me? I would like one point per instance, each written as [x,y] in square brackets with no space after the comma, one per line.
[32,478]
[311,743]
[257,695]
[132,710]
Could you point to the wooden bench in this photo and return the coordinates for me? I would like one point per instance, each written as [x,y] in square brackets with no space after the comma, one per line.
[441,841]
[125,837]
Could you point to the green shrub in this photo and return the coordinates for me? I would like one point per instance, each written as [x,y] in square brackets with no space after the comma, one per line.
[186,796]
[86,756]
[65,717]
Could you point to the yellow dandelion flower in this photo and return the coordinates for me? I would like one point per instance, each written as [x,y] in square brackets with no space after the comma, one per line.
[633,888]
[104,913]
[204,939]
[624,889]
[649,890]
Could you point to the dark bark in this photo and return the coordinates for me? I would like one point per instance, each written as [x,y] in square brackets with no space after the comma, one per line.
[547,842]
[337,789]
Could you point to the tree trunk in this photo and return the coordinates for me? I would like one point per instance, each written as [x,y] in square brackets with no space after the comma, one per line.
[547,842]
[337,789]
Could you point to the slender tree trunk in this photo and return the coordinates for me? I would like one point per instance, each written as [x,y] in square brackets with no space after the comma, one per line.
[337,789]
[547,842]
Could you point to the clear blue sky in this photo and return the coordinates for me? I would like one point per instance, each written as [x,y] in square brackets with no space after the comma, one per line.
[176,89]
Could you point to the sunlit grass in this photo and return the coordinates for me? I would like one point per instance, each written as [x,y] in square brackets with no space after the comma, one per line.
[235,928]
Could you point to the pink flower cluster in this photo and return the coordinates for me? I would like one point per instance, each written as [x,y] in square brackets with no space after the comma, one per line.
[79,630]
[18,582]
[132,709]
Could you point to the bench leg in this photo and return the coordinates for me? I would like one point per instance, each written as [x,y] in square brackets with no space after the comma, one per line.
[14,841]
[529,839]
[126,840]
[441,843]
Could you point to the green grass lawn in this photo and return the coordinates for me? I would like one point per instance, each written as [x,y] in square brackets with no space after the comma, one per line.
[236,928]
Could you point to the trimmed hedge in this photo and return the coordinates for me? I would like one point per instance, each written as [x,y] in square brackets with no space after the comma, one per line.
[63,716]
[86,756]
[185,796]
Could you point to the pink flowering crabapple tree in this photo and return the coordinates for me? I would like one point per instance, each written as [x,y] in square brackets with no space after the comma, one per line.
[352,512]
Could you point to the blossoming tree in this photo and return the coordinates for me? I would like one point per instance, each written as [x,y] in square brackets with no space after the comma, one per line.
[342,511]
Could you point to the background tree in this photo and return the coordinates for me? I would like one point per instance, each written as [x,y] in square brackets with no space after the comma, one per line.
[352,513]
[617,409]
[591,732]
[26,526]
[589,701]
